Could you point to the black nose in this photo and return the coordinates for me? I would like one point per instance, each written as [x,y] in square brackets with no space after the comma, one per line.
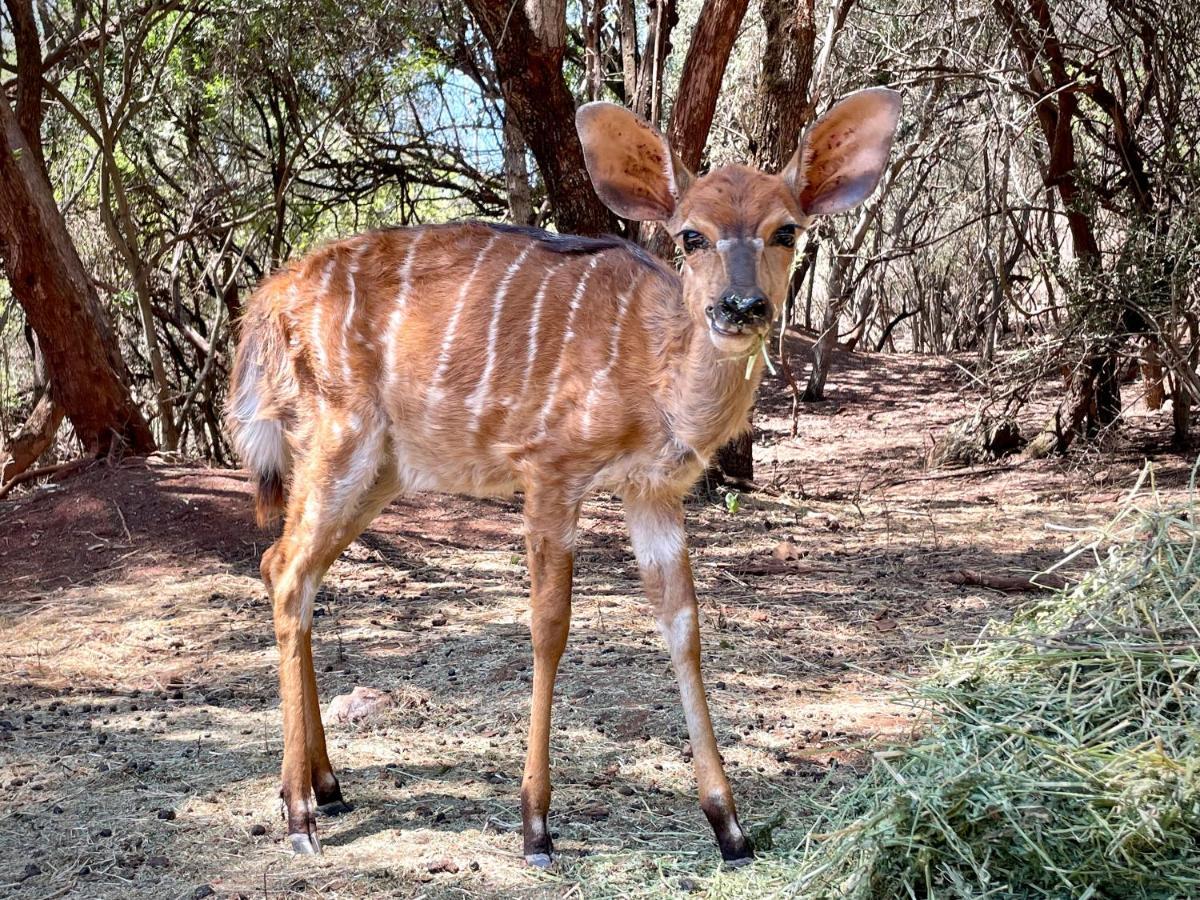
[742,306]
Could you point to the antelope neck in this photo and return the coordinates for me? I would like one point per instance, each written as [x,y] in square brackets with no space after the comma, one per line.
[708,396]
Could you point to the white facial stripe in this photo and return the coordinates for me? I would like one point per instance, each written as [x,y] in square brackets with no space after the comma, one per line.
[729,243]
[435,394]
[400,305]
[475,402]
[552,389]
[601,377]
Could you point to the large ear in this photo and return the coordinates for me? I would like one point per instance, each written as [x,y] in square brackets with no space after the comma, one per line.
[630,163]
[843,154]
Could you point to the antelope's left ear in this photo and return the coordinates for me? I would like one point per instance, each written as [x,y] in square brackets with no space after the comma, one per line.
[630,163]
[843,154]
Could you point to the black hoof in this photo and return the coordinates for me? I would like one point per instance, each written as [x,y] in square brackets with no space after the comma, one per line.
[305,844]
[334,808]
[740,861]
[540,860]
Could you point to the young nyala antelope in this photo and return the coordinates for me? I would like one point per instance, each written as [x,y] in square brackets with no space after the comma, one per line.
[485,359]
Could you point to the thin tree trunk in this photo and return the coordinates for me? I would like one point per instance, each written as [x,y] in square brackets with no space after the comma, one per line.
[528,42]
[88,375]
[516,175]
[629,49]
[700,82]
[32,439]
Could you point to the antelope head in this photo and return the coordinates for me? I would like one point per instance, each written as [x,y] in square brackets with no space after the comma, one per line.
[737,226]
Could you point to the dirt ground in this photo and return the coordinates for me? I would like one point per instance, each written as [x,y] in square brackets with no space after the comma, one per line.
[140,729]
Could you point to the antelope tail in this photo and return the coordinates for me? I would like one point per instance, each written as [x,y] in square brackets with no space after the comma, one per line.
[259,406]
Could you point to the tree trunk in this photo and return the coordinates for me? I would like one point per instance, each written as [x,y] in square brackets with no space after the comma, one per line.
[699,86]
[528,42]
[782,105]
[700,82]
[1181,415]
[32,439]
[516,175]
[736,459]
[782,109]
[1152,374]
[661,20]
[629,50]
[88,375]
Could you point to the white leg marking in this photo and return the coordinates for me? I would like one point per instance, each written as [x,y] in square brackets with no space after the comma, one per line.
[435,393]
[359,472]
[677,630]
[400,305]
[614,343]
[576,298]
[656,533]
[475,402]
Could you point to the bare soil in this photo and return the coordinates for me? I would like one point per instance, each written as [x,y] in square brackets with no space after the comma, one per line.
[140,729]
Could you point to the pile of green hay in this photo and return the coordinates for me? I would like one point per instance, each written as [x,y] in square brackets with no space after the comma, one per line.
[1063,757]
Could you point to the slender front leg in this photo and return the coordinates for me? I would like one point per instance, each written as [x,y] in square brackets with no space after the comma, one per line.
[549,544]
[656,530]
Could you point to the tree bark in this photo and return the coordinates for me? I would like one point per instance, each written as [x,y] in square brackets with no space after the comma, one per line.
[88,375]
[782,105]
[528,42]
[629,49]
[661,20]
[782,109]
[700,82]
[1055,85]
[699,85]
[516,175]
[32,439]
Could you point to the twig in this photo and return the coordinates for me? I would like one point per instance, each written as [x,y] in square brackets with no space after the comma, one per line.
[1009,584]
[30,474]
[937,476]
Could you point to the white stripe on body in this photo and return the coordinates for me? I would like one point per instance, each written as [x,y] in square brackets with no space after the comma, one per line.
[351,305]
[318,336]
[600,378]
[396,318]
[435,394]
[568,337]
[475,402]
[535,319]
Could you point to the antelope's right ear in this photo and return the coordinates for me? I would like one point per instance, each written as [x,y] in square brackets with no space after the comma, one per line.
[630,163]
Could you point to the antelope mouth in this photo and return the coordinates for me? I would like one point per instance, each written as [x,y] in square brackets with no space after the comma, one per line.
[732,335]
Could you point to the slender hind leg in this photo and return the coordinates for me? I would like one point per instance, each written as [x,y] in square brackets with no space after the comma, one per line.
[326,789]
[325,512]
[656,529]
[549,528]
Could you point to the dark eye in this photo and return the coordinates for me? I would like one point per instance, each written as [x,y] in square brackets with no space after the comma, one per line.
[784,237]
[693,240]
